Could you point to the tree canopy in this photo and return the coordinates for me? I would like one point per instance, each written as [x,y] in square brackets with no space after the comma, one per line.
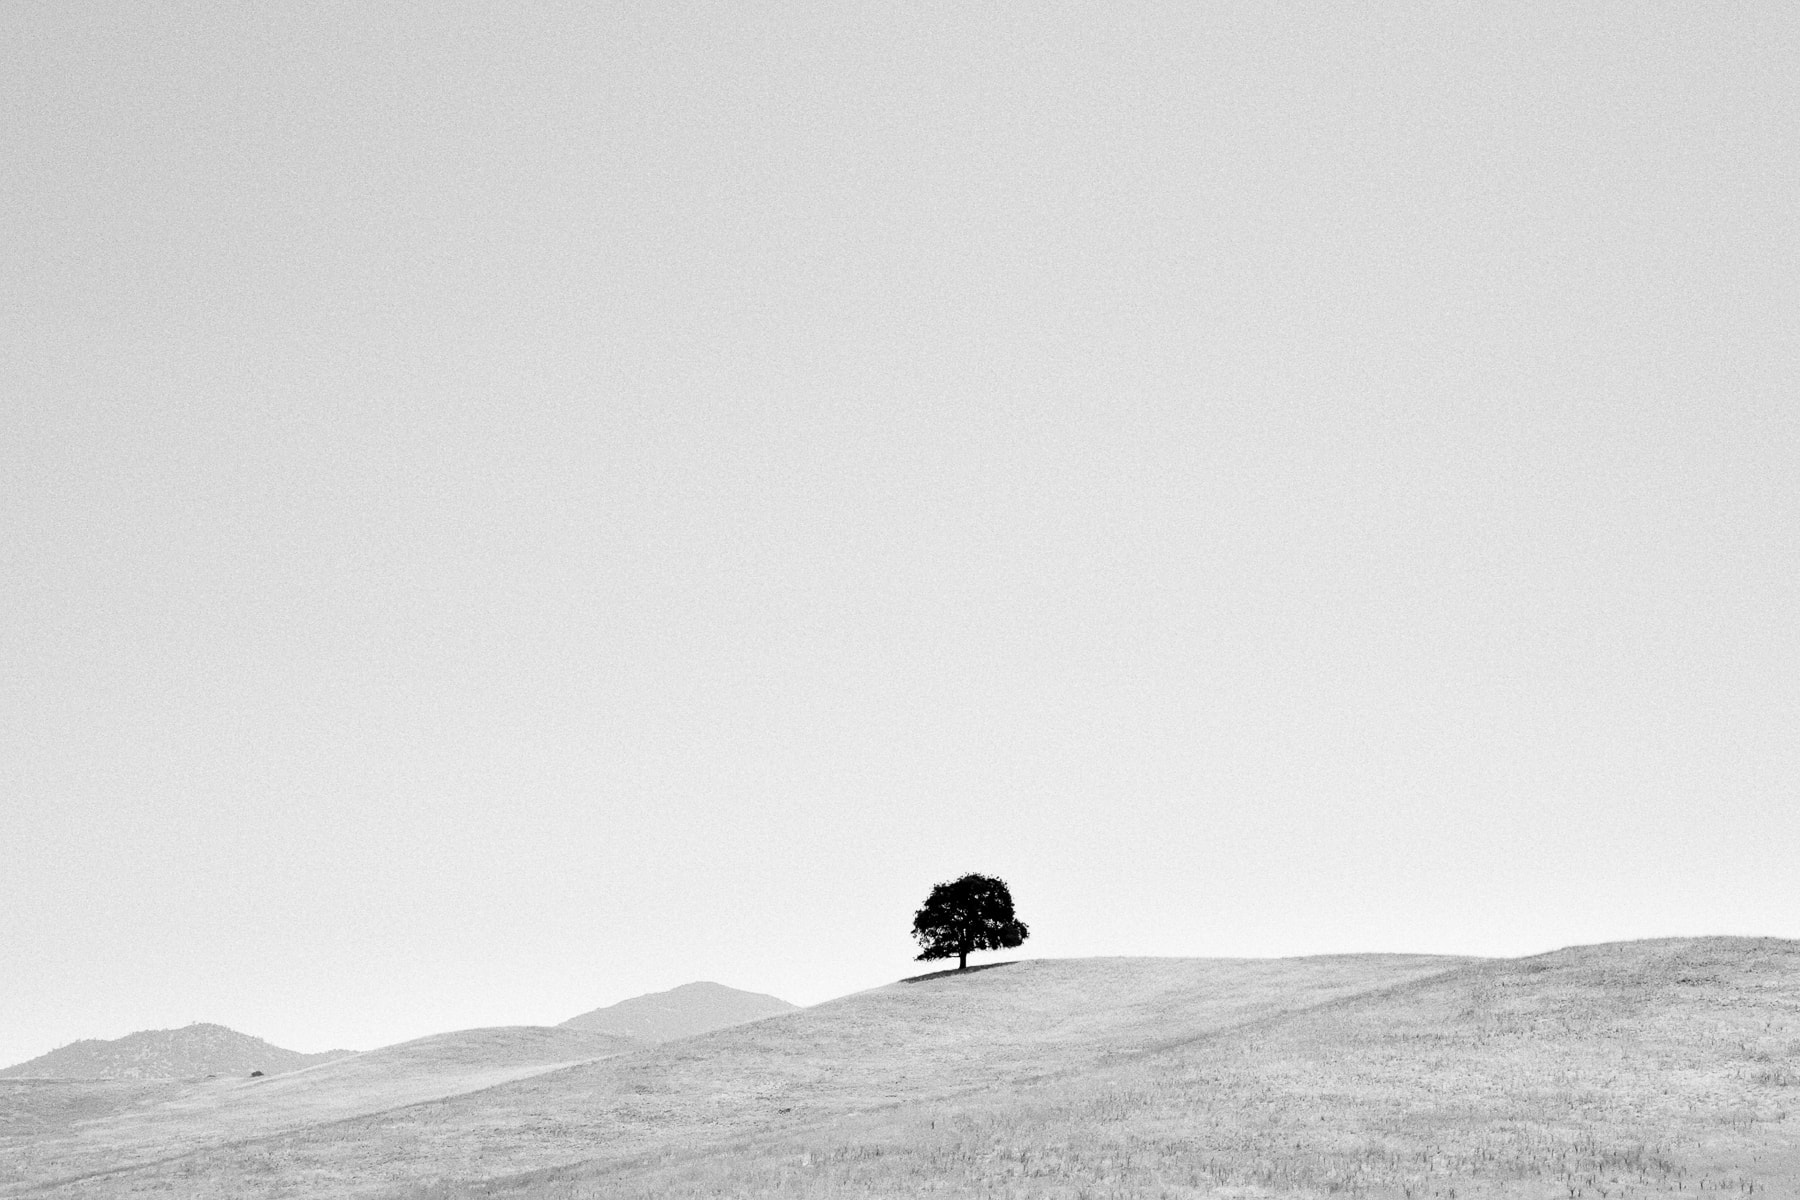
[965,915]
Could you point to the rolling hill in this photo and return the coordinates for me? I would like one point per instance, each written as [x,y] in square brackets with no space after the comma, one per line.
[1619,1071]
[187,1053]
[61,1128]
[680,1012]
[931,1039]
[1629,1070]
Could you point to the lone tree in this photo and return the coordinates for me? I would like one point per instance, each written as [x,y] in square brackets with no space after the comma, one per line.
[967,914]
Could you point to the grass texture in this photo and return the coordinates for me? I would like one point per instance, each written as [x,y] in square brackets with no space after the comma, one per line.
[1632,1070]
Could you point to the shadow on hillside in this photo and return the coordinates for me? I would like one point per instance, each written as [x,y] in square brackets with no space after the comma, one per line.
[954,971]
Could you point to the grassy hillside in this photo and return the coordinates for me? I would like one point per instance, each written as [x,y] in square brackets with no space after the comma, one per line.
[56,1129]
[1644,1069]
[989,1032]
[1633,1070]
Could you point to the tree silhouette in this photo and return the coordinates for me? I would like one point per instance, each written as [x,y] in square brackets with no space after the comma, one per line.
[967,914]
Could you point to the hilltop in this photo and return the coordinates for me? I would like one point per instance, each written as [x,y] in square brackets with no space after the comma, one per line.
[690,1009]
[187,1053]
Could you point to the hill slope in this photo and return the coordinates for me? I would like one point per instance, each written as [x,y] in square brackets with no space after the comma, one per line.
[58,1128]
[680,1012]
[187,1053]
[1642,1069]
[1632,1070]
[989,1031]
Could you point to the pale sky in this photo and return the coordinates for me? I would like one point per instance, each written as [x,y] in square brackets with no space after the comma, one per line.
[505,507]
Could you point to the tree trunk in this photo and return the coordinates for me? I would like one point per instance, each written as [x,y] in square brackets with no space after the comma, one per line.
[964,964]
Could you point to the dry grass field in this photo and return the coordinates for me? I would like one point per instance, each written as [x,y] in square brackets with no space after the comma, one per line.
[1635,1070]
[1632,1070]
[70,1128]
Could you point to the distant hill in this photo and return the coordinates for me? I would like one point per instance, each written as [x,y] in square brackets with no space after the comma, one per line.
[190,1052]
[680,1012]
